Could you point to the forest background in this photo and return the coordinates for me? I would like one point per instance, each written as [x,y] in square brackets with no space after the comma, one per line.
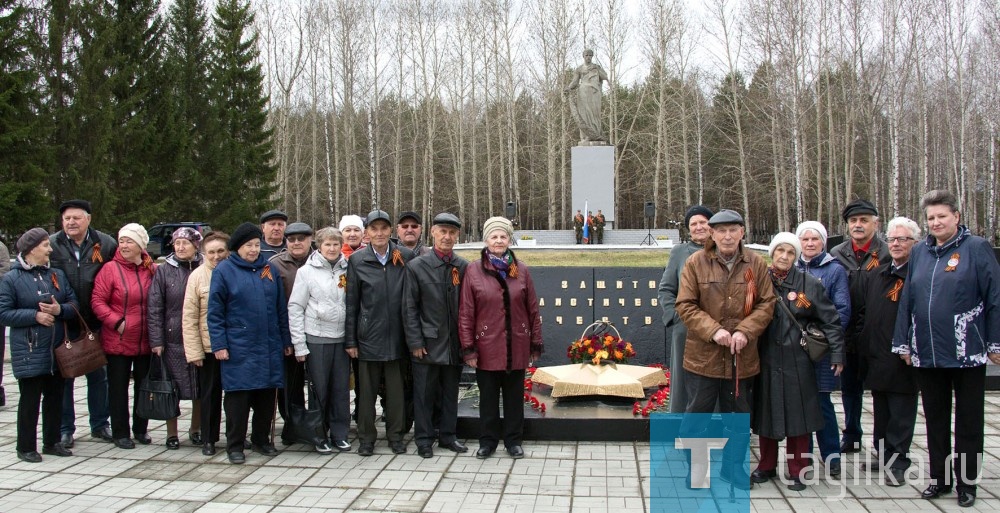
[782,109]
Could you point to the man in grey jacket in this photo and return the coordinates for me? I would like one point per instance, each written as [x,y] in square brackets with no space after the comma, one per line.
[430,318]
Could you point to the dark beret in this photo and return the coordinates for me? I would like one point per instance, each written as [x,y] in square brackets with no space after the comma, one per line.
[697,210]
[30,240]
[243,234]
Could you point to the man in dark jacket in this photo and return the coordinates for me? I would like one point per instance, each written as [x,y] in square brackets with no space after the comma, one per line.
[861,254]
[430,317]
[80,252]
[298,238]
[273,224]
[893,383]
[374,330]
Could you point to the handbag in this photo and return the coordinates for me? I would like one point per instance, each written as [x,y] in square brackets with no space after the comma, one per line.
[158,398]
[813,340]
[304,424]
[81,355]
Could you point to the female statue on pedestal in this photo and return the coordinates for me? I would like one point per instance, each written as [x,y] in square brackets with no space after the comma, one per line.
[586,106]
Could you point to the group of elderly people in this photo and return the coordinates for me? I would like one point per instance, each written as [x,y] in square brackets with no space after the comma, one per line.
[905,316]
[239,322]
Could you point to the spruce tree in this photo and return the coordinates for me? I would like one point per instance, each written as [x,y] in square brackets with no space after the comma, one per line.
[187,64]
[244,183]
[24,153]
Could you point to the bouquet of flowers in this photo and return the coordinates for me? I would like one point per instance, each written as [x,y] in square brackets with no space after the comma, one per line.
[598,344]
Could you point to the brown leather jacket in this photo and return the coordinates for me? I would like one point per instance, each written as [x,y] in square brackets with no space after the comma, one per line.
[711,298]
[498,320]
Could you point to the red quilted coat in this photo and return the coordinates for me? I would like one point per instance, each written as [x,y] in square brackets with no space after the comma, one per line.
[121,291]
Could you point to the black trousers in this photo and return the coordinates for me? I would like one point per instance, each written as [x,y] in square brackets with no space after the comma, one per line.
[120,370]
[238,404]
[937,387]
[435,402]
[371,374]
[33,390]
[493,384]
[895,416]
[852,385]
[210,395]
[703,394]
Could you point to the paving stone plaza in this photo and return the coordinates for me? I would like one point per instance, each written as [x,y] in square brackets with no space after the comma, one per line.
[553,477]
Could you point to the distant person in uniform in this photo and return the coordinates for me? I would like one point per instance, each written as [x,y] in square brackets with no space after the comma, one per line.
[599,226]
[578,226]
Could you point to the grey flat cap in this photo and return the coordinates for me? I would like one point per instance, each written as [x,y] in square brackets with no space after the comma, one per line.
[298,229]
[273,214]
[375,215]
[447,218]
[726,217]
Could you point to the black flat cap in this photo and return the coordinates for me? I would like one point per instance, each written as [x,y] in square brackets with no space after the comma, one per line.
[859,207]
[298,229]
[273,214]
[375,215]
[447,218]
[411,214]
[75,203]
[726,217]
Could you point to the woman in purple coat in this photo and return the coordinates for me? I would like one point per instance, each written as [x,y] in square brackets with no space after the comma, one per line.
[501,334]
[166,306]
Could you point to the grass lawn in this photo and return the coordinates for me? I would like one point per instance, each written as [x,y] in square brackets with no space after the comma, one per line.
[585,258]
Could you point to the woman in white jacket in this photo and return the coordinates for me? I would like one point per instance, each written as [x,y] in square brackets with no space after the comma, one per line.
[316,317]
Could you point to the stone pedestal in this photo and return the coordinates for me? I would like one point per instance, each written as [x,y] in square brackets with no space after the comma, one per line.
[593,181]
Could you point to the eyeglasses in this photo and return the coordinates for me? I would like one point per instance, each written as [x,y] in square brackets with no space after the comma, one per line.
[295,239]
[890,240]
[409,226]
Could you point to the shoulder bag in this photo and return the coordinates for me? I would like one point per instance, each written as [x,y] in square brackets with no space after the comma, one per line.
[82,355]
[813,340]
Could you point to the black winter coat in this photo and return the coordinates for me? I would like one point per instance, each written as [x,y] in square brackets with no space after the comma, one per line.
[430,307]
[166,308]
[31,344]
[878,254]
[885,370]
[375,304]
[82,273]
[786,399]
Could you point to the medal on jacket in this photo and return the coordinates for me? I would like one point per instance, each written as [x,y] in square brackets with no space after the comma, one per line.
[343,281]
[873,263]
[792,296]
[95,255]
[803,301]
[266,273]
[952,262]
[893,294]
